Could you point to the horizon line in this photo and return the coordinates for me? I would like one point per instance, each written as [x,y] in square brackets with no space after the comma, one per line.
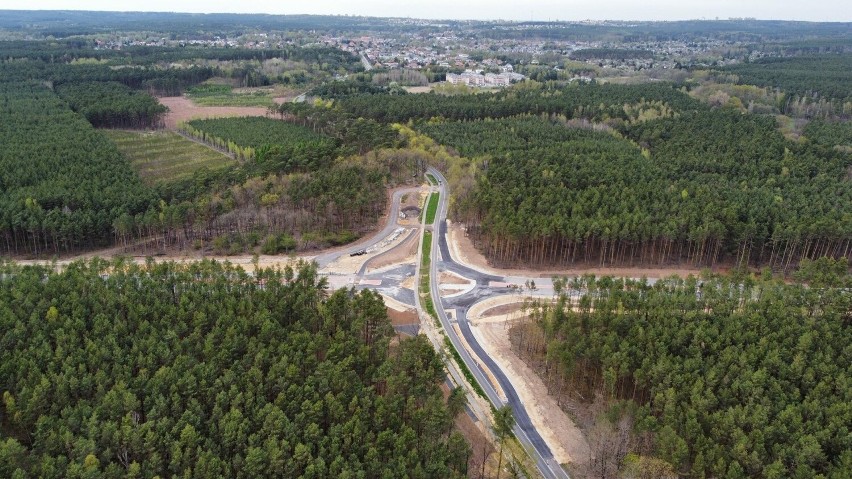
[483,20]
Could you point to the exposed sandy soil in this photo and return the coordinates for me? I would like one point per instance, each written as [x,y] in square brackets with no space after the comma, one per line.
[347,264]
[462,249]
[245,261]
[182,108]
[418,89]
[405,253]
[451,278]
[351,264]
[561,434]
[408,283]
[402,318]
[410,199]
[452,284]
[398,306]
[449,290]
[503,309]
[418,199]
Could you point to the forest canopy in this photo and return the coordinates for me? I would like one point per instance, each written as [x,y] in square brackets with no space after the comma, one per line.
[824,75]
[597,102]
[700,187]
[200,370]
[731,376]
[62,183]
[113,105]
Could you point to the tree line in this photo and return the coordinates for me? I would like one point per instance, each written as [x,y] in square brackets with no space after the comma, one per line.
[597,102]
[731,376]
[62,183]
[113,105]
[803,77]
[610,54]
[700,188]
[273,145]
[356,134]
[115,370]
[155,80]
[319,209]
[69,50]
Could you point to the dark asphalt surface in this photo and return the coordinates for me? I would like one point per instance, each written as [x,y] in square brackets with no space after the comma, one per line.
[390,285]
[524,430]
[392,224]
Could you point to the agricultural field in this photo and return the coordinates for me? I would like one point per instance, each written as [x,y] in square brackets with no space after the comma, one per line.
[165,156]
[225,95]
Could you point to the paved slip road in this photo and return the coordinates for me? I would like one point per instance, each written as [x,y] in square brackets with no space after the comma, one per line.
[325,259]
[524,430]
[388,281]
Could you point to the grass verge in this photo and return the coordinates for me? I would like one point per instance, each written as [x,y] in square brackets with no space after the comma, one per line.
[464,369]
[432,208]
[425,293]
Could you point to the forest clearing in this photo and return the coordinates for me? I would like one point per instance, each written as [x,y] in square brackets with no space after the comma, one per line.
[163,156]
[182,109]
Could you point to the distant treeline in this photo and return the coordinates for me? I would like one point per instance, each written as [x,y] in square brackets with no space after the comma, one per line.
[142,67]
[828,76]
[611,54]
[75,49]
[707,187]
[597,102]
[157,81]
[67,23]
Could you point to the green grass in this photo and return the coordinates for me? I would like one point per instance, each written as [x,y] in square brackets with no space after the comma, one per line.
[432,180]
[432,208]
[425,262]
[464,369]
[164,156]
[224,95]
[426,297]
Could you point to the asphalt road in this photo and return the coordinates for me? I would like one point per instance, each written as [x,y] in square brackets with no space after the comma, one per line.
[524,430]
[323,260]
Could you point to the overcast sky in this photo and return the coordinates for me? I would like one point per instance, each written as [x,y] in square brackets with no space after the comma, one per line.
[813,10]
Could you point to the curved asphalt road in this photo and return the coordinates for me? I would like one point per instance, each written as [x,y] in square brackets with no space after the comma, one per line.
[392,224]
[524,429]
